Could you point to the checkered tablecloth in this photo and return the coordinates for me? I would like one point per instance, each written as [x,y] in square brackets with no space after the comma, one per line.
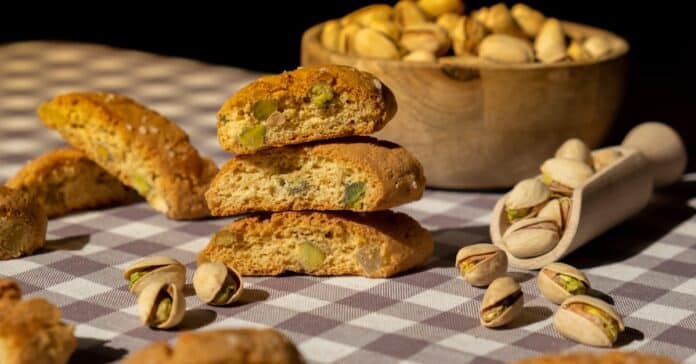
[647,266]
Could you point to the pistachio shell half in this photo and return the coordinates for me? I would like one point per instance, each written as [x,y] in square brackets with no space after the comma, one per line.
[574,149]
[425,37]
[588,320]
[603,158]
[502,302]
[525,199]
[558,281]
[558,210]
[154,269]
[563,175]
[504,48]
[550,42]
[480,264]
[217,284]
[161,305]
[528,19]
[531,237]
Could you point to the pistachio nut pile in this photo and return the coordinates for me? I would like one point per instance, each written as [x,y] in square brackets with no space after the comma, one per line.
[426,30]
[538,209]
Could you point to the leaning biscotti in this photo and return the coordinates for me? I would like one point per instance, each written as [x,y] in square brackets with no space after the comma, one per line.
[375,244]
[308,104]
[65,180]
[357,174]
[22,224]
[234,346]
[140,147]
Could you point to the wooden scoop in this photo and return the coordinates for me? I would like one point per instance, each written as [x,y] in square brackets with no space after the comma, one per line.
[653,155]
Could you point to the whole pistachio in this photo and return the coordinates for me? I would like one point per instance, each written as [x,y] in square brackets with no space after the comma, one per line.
[368,13]
[502,302]
[558,210]
[420,56]
[504,48]
[374,44]
[574,149]
[563,175]
[448,21]
[480,264]
[550,42]
[346,38]
[435,8]
[407,13]
[603,158]
[217,284]
[426,37]
[525,199]
[329,35]
[577,52]
[480,14]
[588,320]
[499,21]
[154,269]
[528,19]
[597,46]
[386,27]
[531,237]
[467,35]
[161,305]
[558,281]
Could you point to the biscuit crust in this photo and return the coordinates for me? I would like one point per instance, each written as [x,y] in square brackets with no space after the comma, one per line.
[22,224]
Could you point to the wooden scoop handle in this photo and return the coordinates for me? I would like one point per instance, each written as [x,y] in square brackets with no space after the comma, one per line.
[662,147]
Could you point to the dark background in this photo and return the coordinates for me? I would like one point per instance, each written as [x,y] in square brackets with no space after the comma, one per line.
[265,36]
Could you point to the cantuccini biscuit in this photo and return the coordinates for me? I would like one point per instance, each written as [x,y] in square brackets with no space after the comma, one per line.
[375,244]
[65,180]
[358,174]
[233,346]
[612,357]
[140,147]
[22,224]
[307,104]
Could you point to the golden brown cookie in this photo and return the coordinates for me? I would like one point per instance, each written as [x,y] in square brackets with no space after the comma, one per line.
[22,224]
[232,346]
[612,357]
[9,291]
[64,180]
[142,148]
[375,244]
[307,104]
[358,174]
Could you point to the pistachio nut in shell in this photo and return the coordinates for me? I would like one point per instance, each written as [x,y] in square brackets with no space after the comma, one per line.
[577,52]
[435,8]
[528,19]
[499,20]
[502,48]
[597,46]
[216,284]
[346,38]
[564,175]
[525,199]
[367,13]
[588,320]
[407,13]
[466,35]
[480,264]
[531,237]
[549,44]
[154,269]
[604,158]
[427,37]
[374,44]
[448,21]
[420,56]
[329,35]
[386,27]
[558,210]
[574,149]
[502,302]
[161,305]
[558,281]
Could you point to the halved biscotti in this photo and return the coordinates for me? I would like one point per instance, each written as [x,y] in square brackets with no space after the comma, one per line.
[375,244]
[22,224]
[64,180]
[357,174]
[307,104]
[140,147]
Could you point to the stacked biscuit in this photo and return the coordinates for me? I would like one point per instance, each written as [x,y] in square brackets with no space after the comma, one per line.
[323,187]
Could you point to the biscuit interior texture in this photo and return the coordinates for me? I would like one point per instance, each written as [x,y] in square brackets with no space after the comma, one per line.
[22,224]
[287,109]
[65,180]
[376,244]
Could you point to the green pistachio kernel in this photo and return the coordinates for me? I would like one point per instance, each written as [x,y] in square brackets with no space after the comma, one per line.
[262,109]
[607,322]
[252,137]
[140,184]
[134,277]
[225,293]
[515,214]
[353,194]
[321,94]
[164,308]
[546,179]
[309,256]
[573,285]
[466,267]
[492,313]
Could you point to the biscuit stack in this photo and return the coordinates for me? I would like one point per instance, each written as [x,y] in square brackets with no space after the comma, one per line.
[320,189]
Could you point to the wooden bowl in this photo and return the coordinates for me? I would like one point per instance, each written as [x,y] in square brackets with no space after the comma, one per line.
[476,124]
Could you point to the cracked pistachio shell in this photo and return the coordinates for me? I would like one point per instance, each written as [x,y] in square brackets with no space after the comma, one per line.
[558,210]
[550,288]
[346,38]
[527,193]
[374,44]
[329,35]
[498,291]
[499,20]
[603,158]
[210,278]
[597,46]
[425,37]
[493,264]
[528,19]
[149,299]
[386,27]
[569,173]
[503,48]
[420,56]
[578,328]
[407,13]
[574,149]
[155,269]
[368,13]
[550,44]
[466,35]
[531,237]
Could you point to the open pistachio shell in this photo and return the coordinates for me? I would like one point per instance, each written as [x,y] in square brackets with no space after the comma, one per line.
[525,199]
[558,210]
[149,305]
[426,37]
[588,320]
[529,20]
[211,281]
[499,20]
[480,264]
[372,43]
[466,35]
[154,269]
[574,149]
[503,48]
[604,158]
[558,281]
[502,302]
[563,175]
[531,237]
